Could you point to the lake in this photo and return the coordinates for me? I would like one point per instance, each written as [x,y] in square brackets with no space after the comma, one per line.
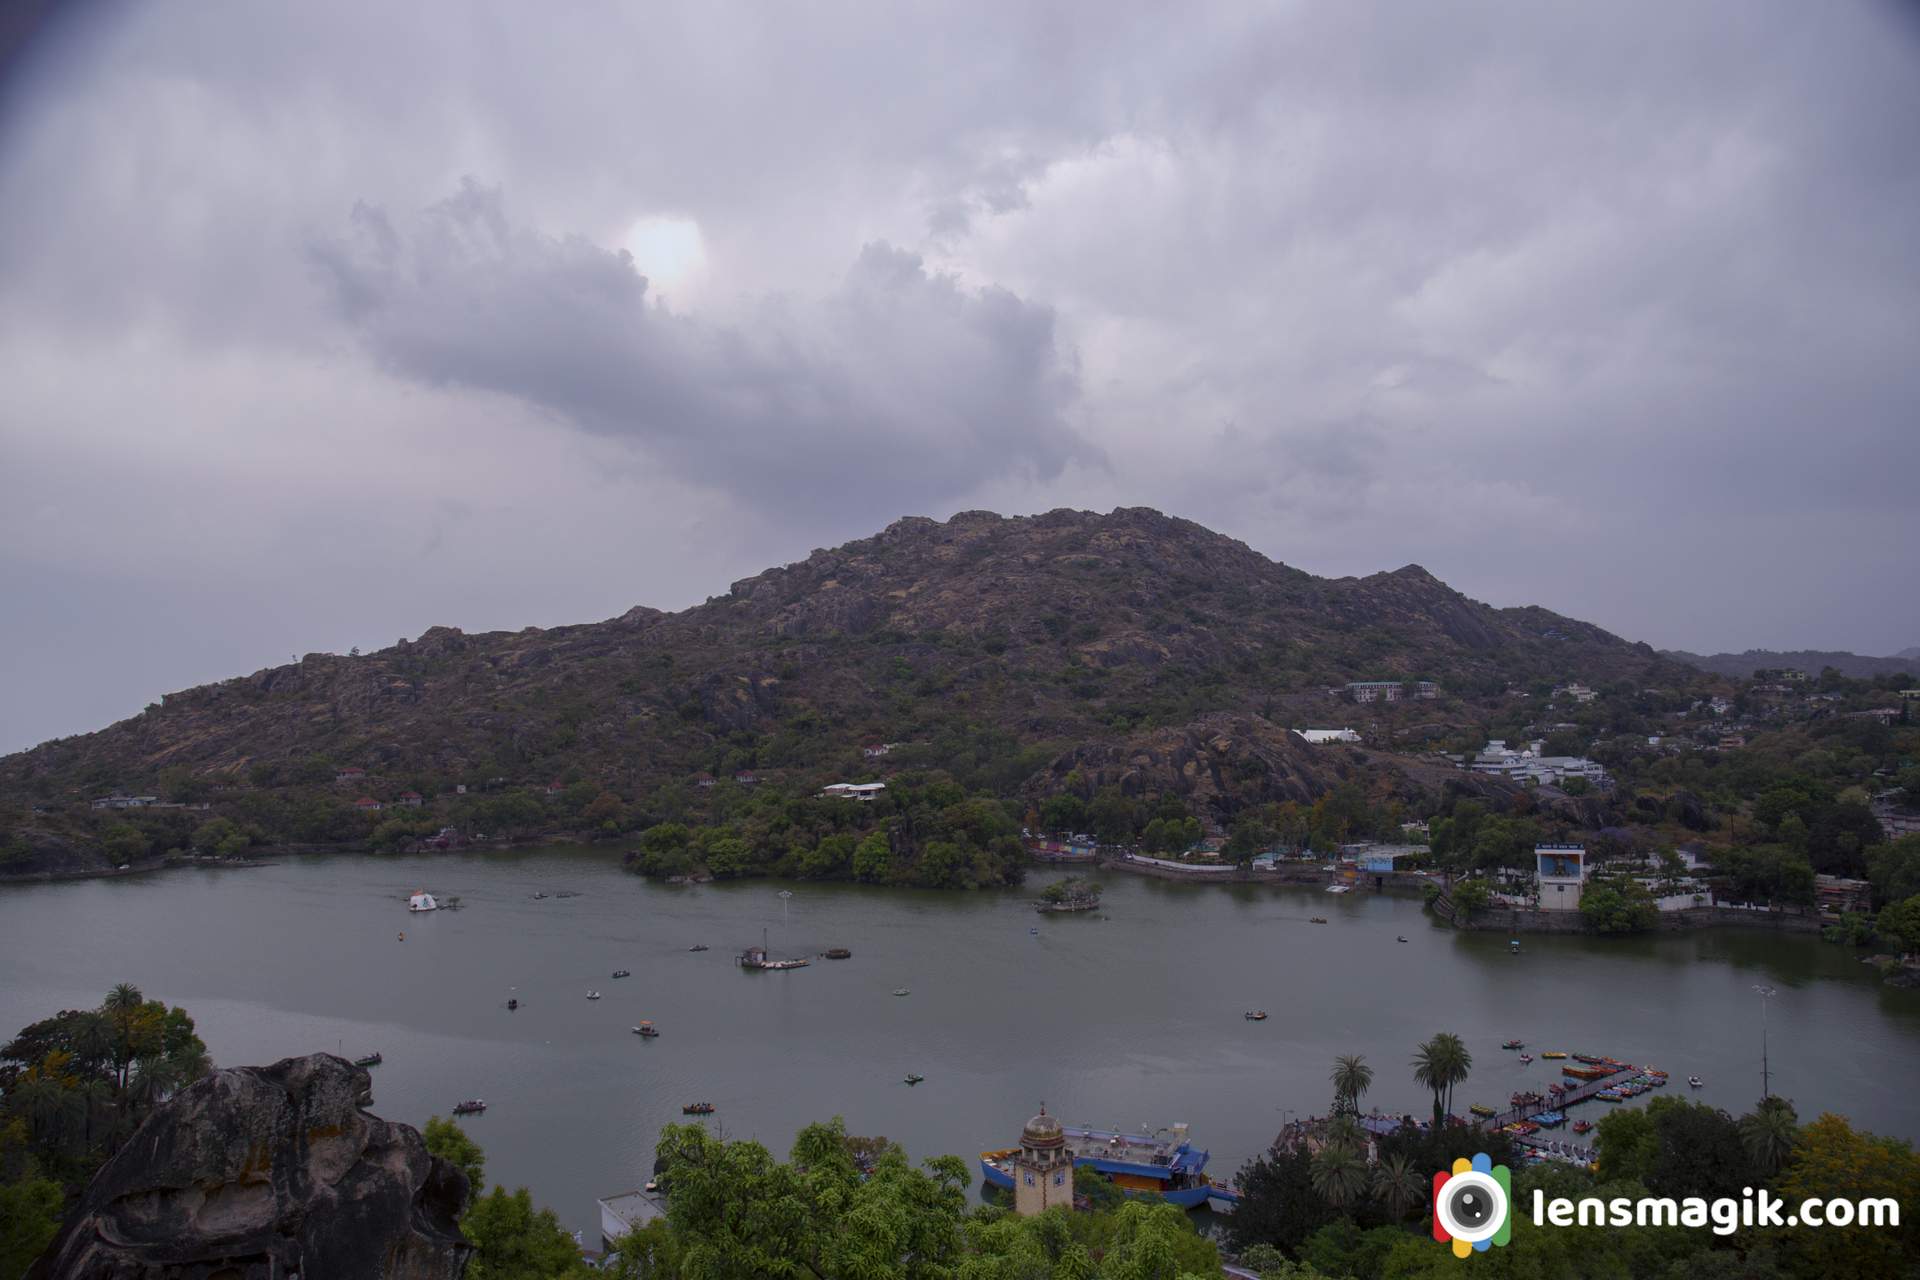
[1130,1020]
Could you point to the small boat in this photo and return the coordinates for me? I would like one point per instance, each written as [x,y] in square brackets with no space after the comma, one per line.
[403,937]
[371,1060]
[914,1078]
[837,953]
[1553,1053]
[1481,1109]
[513,1002]
[623,973]
[698,946]
[1033,929]
[901,991]
[538,896]
[1339,888]
[422,901]
[1525,1058]
[1513,947]
[697,1109]
[1514,1044]
[1256,1015]
[1583,1126]
[1401,938]
[646,1030]
[593,995]
[1316,919]
[1695,1082]
[471,1107]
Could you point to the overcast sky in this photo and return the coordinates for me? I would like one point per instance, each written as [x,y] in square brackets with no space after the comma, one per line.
[324,323]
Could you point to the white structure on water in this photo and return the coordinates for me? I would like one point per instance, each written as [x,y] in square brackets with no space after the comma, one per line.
[422,901]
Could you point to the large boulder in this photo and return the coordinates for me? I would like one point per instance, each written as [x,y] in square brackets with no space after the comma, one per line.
[268,1173]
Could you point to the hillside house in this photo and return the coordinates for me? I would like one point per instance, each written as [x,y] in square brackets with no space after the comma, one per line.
[1386,690]
[865,792]
[1576,691]
[1499,760]
[410,799]
[554,788]
[118,801]
[352,773]
[367,804]
[746,777]
[1885,715]
[874,750]
[1837,895]
[703,780]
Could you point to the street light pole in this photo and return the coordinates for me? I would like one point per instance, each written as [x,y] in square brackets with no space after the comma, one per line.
[1766,1076]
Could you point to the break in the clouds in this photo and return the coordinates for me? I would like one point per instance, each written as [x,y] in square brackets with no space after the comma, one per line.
[913,386]
[321,324]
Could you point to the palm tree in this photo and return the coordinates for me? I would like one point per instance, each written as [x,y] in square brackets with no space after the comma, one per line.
[120,1006]
[1339,1174]
[1399,1185]
[1439,1065]
[1351,1078]
[1769,1134]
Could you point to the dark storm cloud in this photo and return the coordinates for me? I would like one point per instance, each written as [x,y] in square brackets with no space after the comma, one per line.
[1606,307]
[898,391]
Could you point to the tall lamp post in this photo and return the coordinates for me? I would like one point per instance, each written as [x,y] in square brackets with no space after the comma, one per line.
[784,895]
[1766,1076]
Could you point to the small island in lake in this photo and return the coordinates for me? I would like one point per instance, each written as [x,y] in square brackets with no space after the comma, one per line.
[1069,895]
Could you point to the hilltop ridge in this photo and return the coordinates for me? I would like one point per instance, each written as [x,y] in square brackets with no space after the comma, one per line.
[1066,632]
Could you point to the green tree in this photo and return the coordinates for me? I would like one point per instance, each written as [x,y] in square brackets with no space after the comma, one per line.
[873,858]
[1440,1065]
[1399,1186]
[1351,1079]
[1768,1134]
[1618,904]
[512,1240]
[30,1211]
[450,1142]
[1899,925]
[1833,1160]
[125,842]
[1340,1175]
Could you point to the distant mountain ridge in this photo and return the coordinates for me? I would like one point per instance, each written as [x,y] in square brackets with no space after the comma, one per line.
[1856,666]
[1115,636]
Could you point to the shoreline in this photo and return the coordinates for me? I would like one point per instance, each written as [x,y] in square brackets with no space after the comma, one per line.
[1305,875]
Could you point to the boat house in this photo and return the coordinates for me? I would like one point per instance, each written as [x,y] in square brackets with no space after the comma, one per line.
[1560,871]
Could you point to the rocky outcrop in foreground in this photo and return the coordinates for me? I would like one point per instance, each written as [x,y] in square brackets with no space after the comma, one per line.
[268,1173]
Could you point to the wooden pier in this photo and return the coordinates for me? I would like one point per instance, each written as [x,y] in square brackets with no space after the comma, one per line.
[1567,1099]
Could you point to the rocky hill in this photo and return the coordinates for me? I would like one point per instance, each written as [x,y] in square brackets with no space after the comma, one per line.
[265,1172]
[1740,666]
[1075,636]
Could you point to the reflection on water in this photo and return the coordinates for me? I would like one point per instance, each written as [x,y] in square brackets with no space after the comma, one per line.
[1129,1017]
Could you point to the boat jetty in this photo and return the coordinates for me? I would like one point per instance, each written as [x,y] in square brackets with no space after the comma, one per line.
[1163,1163]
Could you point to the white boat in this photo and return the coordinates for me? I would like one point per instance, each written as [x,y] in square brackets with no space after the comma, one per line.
[1339,888]
[422,901]
[593,995]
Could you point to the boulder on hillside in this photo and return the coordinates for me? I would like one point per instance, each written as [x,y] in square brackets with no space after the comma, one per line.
[267,1173]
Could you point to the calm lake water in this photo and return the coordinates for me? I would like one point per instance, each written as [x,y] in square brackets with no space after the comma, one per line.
[1132,1020]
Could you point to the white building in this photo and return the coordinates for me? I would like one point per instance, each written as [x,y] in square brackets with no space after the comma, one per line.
[1577,691]
[1560,872]
[862,791]
[1528,765]
[1318,736]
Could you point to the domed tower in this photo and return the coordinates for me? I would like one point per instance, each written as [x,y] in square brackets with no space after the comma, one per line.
[1043,1171]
